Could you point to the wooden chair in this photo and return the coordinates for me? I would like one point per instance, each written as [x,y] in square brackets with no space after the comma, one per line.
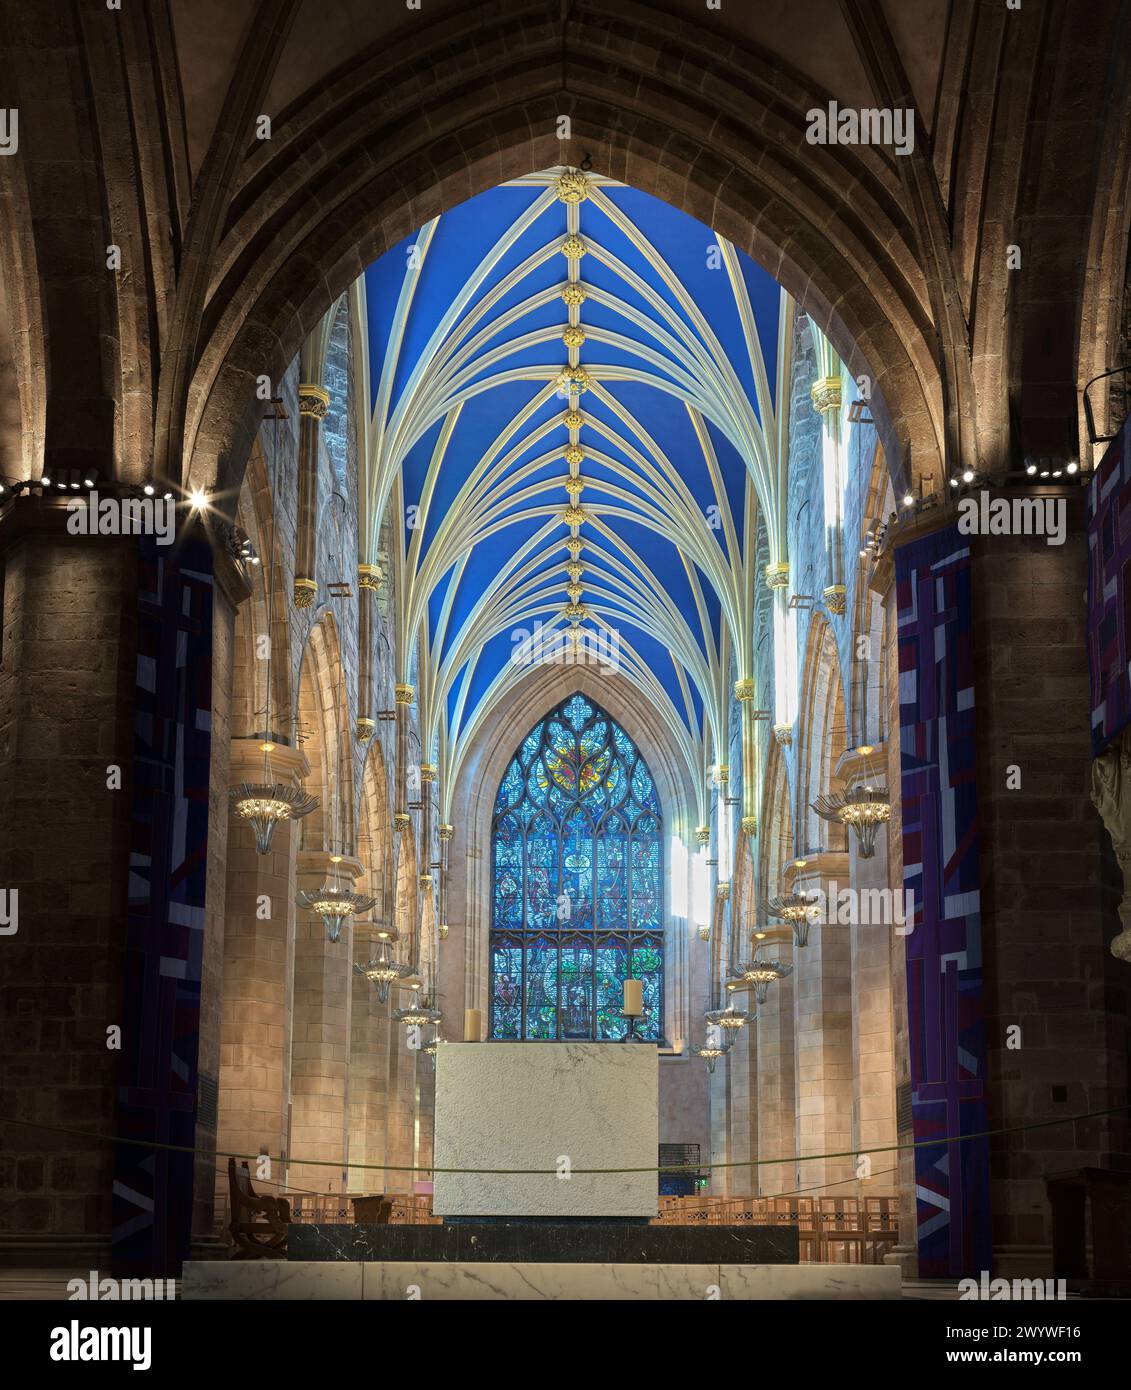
[258,1225]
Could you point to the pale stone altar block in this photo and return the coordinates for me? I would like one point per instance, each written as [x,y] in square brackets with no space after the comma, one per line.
[529,1105]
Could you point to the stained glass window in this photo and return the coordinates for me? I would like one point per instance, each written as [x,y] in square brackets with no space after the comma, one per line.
[578,883]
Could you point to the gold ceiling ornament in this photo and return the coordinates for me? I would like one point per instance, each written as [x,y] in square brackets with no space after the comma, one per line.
[442,930]
[574,379]
[574,453]
[313,400]
[703,834]
[575,545]
[744,689]
[574,516]
[783,733]
[825,394]
[401,821]
[446,832]
[404,694]
[573,187]
[574,486]
[777,576]
[835,597]
[575,610]
[574,294]
[304,592]
[573,336]
[427,772]
[364,729]
[574,591]
[573,419]
[573,247]
[749,825]
[574,569]
[369,577]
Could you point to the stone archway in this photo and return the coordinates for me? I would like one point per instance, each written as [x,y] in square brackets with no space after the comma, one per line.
[351,169]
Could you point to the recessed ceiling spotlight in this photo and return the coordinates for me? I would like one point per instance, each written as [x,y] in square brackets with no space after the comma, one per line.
[148,489]
[167,496]
[1044,472]
[1072,468]
[45,482]
[88,482]
[954,482]
[198,499]
[908,501]
[968,476]
[1031,469]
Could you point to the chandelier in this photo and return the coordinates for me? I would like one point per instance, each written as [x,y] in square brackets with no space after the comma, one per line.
[334,905]
[711,1054]
[264,804]
[418,1015]
[863,807]
[800,910]
[382,969]
[729,1020]
[761,974]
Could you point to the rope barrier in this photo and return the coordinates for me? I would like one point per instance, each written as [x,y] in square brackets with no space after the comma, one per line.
[554,1172]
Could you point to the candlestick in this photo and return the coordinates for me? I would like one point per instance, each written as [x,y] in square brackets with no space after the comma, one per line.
[473,1025]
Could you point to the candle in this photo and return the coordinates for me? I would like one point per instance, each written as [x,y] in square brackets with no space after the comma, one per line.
[634,997]
[473,1025]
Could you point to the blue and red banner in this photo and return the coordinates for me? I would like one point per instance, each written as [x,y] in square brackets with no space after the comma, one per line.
[157,1079]
[941,868]
[1109,591]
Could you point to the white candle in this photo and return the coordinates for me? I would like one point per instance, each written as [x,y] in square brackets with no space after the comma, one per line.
[634,997]
[473,1025]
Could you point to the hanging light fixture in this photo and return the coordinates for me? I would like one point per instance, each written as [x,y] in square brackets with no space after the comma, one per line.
[334,904]
[265,804]
[711,1052]
[760,975]
[381,968]
[420,1015]
[863,807]
[730,1020]
[800,910]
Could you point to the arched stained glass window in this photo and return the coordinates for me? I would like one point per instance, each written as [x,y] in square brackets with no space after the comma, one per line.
[578,881]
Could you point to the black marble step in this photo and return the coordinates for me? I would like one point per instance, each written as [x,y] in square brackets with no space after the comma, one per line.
[547,1243]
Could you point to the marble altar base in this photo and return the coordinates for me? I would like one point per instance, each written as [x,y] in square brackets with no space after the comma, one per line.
[519,1282]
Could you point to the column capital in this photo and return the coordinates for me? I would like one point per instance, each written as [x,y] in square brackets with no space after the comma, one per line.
[369,577]
[744,689]
[447,831]
[703,834]
[835,597]
[404,694]
[777,575]
[313,401]
[304,592]
[427,772]
[825,393]
[783,734]
[363,731]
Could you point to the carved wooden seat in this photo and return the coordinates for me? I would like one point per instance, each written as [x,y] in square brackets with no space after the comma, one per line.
[257,1225]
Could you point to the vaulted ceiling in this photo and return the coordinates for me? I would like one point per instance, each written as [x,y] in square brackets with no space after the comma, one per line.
[576,397]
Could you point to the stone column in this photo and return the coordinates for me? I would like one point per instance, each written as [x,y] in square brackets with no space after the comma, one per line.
[777,1097]
[259,953]
[368,583]
[825,394]
[323,994]
[313,402]
[371,1041]
[66,714]
[823,991]
[400,1147]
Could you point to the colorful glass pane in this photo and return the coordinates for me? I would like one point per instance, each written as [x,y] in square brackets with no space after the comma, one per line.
[577,891]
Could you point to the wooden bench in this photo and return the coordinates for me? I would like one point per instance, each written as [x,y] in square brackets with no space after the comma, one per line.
[257,1225]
